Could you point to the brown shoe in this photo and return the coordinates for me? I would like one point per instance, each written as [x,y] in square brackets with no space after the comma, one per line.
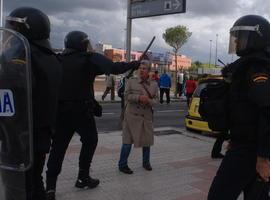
[125,170]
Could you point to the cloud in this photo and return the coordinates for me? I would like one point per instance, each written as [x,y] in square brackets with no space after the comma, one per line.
[67,6]
[105,21]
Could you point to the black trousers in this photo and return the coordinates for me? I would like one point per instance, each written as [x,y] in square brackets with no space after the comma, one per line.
[73,117]
[180,89]
[167,92]
[237,173]
[106,92]
[189,96]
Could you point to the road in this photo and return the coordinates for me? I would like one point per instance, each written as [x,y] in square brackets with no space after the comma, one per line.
[164,116]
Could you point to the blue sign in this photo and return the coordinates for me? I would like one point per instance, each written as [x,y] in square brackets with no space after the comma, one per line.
[7,108]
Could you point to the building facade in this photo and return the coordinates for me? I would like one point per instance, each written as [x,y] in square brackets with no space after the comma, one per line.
[160,61]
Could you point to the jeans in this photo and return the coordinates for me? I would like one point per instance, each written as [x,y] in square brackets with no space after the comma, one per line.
[125,151]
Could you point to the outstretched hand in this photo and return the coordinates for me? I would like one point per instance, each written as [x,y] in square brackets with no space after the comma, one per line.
[144,100]
[263,168]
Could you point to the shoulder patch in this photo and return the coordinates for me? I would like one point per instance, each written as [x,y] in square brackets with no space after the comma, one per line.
[260,78]
[18,61]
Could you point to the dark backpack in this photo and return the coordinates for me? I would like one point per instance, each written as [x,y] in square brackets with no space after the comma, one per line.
[213,105]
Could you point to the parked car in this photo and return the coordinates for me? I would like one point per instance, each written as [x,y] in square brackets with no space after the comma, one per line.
[193,120]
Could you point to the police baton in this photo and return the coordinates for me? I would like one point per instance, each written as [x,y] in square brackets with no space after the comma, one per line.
[142,56]
[221,62]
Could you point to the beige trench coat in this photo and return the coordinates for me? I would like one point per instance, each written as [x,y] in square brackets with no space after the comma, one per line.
[138,119]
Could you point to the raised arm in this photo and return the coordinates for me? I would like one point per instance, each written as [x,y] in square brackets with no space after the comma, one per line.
[103,65]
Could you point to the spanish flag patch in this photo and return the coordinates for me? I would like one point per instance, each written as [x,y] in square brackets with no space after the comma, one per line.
[18,61]
[260,78]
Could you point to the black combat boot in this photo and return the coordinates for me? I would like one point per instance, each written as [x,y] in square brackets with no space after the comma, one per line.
[50,195]
[50,188]
[85,181]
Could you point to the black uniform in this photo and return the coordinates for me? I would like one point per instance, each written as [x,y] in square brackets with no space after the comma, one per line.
[75,112]
[248,116]
[46,69]
[46,78]
[249,119]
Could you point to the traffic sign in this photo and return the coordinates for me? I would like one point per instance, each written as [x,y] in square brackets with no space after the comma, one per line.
[148,8]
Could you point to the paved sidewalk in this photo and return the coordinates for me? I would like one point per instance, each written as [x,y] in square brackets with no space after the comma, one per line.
[182,169]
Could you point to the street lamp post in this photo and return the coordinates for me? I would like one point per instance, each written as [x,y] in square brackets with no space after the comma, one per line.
[210,54]
[129,25]
[1,16]
[216,50]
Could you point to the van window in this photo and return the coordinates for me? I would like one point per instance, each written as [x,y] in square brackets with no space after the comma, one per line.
[201,86]
[198,90]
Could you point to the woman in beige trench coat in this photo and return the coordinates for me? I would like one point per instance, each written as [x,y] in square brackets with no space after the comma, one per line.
[140,94]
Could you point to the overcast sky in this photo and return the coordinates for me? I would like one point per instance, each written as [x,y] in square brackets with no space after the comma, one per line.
[105,21]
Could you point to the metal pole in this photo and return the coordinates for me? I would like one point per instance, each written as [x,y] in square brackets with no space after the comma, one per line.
[129,24]
[216,50]
[210,52]
[1,17]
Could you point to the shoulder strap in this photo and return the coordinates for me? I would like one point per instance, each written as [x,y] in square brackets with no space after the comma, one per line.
[147,91]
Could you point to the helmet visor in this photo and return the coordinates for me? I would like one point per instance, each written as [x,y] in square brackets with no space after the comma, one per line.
[14,20]
[87,43]
[238,41]
[239,37]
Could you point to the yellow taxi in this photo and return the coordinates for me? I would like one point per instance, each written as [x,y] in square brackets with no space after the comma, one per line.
[193,120]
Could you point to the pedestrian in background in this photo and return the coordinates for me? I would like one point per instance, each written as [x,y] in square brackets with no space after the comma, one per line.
[190,88]
[165,86]
[141,93]
[110,87]
[180,83]
[155,77]
[246,167]
[76,113]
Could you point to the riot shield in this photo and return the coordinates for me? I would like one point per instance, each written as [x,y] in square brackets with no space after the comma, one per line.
[15,114]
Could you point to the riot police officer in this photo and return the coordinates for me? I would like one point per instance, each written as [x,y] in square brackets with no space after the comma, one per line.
[75,112]
[46,77]
[246,165]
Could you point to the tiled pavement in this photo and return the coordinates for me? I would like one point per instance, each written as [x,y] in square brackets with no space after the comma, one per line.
[182,170]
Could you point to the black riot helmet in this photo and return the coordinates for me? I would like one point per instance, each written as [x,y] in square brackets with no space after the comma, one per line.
[249,34]
[31,22]
[77,40]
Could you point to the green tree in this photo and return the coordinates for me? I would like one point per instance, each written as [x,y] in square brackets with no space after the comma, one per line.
[176,37]
[195,65]
[198,63]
